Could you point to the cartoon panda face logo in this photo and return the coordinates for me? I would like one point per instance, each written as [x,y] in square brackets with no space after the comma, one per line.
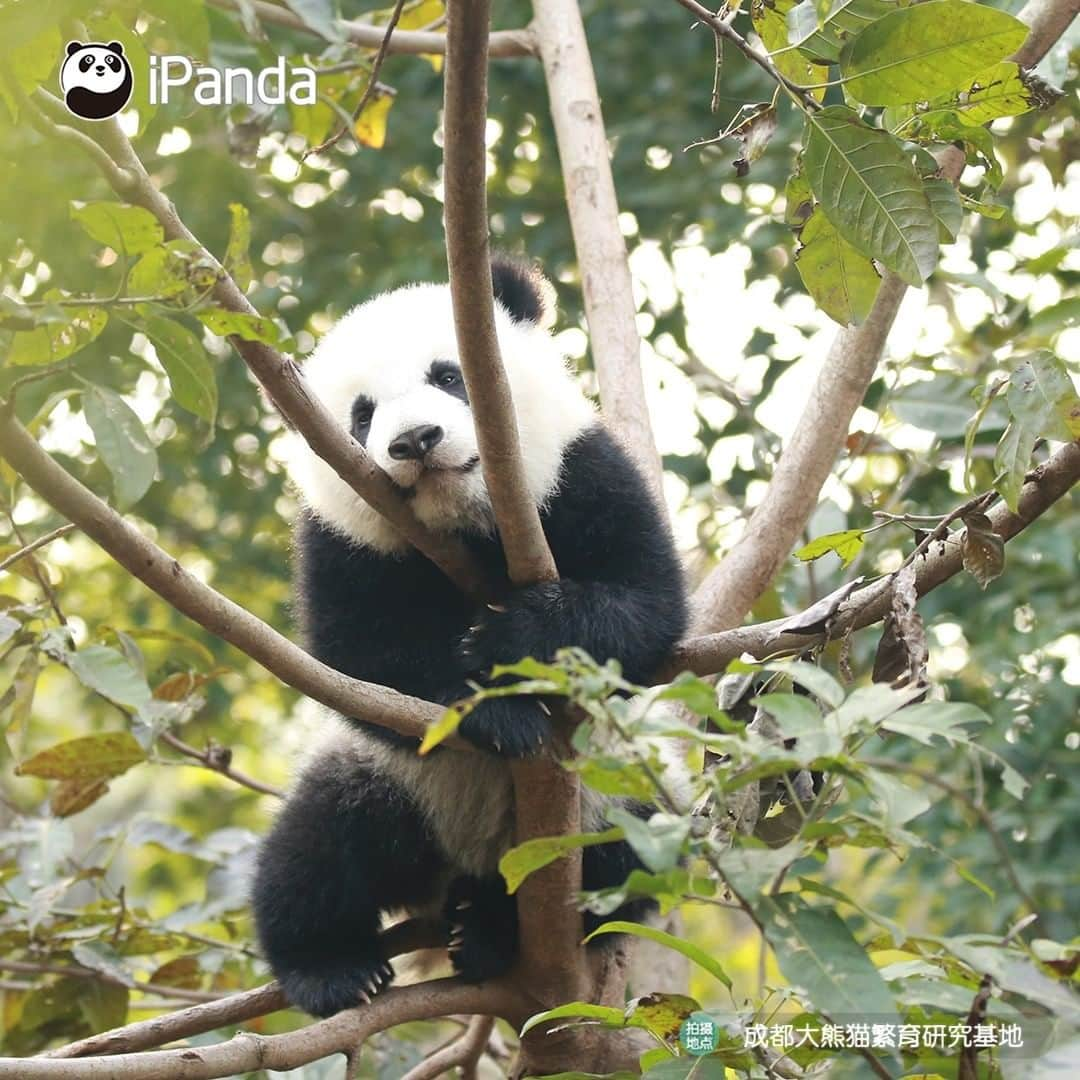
[96,79]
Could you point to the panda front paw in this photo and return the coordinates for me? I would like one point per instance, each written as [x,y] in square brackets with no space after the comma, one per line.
[527,624]
[324,991]
[514,727]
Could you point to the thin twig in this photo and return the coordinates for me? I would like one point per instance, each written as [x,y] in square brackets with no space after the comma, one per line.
[219,759]
[464,1052]
[723,29]
[33,546]
[369,90]
[40,574]
[72,971]
[504,43]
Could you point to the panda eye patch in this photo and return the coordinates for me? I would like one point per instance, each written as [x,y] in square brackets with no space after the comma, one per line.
[113,62]
[447,376]
[87,62]
[362,412]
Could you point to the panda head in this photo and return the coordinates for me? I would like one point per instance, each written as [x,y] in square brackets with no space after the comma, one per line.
[96,79]
[389,372]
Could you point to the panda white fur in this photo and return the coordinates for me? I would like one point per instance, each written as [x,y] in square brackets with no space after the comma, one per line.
[95,79]
[371,827]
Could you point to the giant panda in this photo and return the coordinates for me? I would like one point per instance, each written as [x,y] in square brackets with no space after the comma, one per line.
[371,827]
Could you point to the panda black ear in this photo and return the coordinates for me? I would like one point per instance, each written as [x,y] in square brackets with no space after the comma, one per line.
[520,288]
[73,47]
[116,47]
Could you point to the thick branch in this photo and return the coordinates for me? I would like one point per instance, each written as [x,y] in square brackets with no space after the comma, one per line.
[594,219]
[528,558]
[248,1052]
[547,797]
[728,593]
[397,940]
[280,377]
[190,596]
[711,653]
[504,43]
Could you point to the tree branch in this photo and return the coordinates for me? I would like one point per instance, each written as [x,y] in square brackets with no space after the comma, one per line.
[398,940]
[724,29]
[33,546]
[248,1052]
[594,218]
[547,797]
[528,557]
[744,573]
[504,43]
[464,1052]
[281,378]
[190,596]
[74,971]
[711,653]
[219,759]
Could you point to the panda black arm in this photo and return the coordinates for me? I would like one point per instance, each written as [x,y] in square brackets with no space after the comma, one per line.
[389,619]
[621,591]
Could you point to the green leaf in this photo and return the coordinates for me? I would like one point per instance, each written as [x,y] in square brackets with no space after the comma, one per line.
[816,952]
[657,842]
[1003,90]
[823,38]
[846,544]
[1043,403]
[815,679]
[162,272]
[442,729]
[519,862]
[935,48]
[54,341]
[92,757]
[126,229]
[578,1010]
[237,259]
[931,718]
[941,405]
[100,956]
[870,191]
[669,941]
[30,65]
[122,443]
[770,19]
[243,325]
[662,1015]
[110,673]
[946,206]
[696,1068]
[841,279]
[190,371]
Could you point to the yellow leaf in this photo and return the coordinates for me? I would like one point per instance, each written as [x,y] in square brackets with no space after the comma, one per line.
[417,16]
[370,126]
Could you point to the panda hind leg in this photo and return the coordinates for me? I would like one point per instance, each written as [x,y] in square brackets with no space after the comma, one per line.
[484,927]
[347,846]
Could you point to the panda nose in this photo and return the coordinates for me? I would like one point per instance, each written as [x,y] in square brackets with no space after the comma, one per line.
[99,70]
[414,444]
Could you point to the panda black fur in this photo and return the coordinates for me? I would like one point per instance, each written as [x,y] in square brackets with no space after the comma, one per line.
[370,826]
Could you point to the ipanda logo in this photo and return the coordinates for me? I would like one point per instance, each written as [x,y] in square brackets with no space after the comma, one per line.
[96,81]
